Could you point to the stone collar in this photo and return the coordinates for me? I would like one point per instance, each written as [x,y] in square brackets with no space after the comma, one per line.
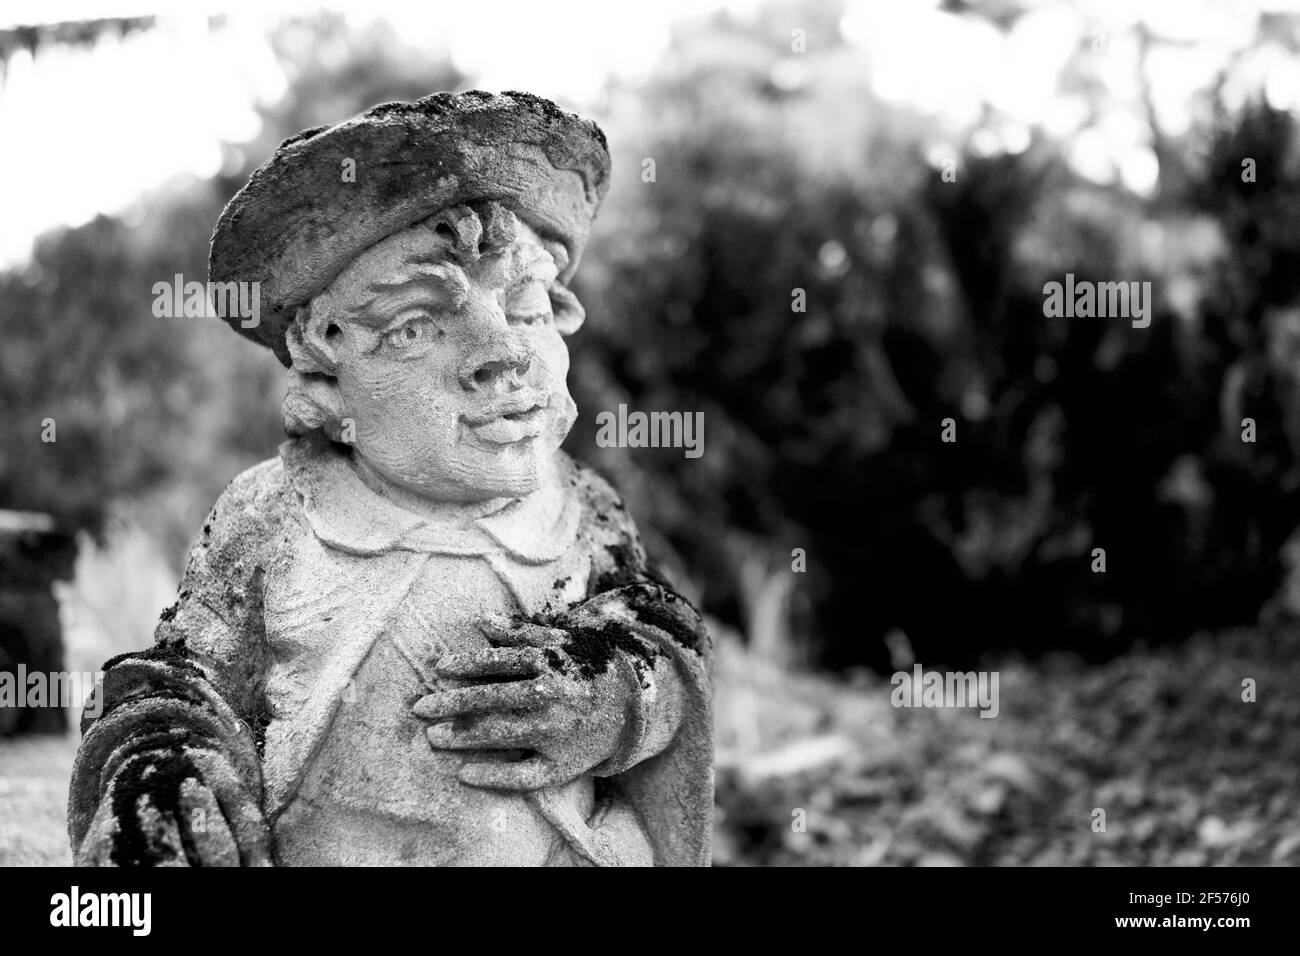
[346,514]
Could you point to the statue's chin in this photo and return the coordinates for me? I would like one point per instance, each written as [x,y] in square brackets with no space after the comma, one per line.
[472,469]
[517,473]
[510,472]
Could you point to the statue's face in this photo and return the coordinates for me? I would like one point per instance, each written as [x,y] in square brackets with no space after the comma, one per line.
[452,371]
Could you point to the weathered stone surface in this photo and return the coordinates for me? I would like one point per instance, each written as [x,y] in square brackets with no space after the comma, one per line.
[422,634]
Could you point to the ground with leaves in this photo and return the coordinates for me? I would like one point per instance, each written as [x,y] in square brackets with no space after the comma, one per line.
[1187,772]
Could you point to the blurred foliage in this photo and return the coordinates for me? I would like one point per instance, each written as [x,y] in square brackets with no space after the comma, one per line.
[76,33]
[777,172]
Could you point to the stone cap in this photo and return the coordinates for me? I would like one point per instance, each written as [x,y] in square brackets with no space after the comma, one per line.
[297,223]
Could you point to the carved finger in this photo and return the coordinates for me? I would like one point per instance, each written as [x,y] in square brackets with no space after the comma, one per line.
[239,808]
[492,732]
[161,837]
[576,693]
[142,797]
[520,634]
[492,662]
[535,773]
[486,699]
[97,846]
[201,816]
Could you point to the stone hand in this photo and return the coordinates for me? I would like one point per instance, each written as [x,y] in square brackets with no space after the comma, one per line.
[530,716]
[160,809]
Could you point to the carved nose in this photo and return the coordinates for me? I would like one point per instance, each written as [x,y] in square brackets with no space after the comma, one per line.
[502,369]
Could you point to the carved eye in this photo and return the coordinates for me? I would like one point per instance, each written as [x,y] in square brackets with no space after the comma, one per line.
[408,335]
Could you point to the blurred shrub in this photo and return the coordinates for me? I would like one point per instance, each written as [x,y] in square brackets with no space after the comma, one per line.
[924,301]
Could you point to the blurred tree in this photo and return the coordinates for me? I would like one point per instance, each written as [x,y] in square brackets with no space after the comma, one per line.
[71,33]
[777,172]
[155,415]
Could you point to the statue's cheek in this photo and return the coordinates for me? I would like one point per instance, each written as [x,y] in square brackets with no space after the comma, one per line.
[553,355]
[386,387]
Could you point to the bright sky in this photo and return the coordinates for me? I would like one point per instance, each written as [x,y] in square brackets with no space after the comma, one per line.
[71,145]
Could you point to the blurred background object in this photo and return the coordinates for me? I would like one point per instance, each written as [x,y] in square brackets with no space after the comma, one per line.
[917,171]
[34,557]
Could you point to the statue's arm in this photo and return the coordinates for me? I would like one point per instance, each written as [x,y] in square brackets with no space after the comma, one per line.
[169,771]
[669,681]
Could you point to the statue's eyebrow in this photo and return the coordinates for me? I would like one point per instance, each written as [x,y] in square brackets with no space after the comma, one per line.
[448,278]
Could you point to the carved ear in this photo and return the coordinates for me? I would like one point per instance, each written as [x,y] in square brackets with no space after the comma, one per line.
[311,403]
[311,339]
[569,313]
[313,400]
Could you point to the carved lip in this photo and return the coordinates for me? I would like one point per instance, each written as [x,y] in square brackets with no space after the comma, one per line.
[515,418]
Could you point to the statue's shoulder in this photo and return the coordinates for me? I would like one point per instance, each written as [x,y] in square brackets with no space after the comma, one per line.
[599,500]
[251,509]
[609,533]
[265,485]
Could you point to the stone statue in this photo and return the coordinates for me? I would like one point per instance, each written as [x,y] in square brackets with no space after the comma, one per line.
[422,634]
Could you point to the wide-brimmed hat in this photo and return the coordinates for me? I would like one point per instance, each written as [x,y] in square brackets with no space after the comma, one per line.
[300,220]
